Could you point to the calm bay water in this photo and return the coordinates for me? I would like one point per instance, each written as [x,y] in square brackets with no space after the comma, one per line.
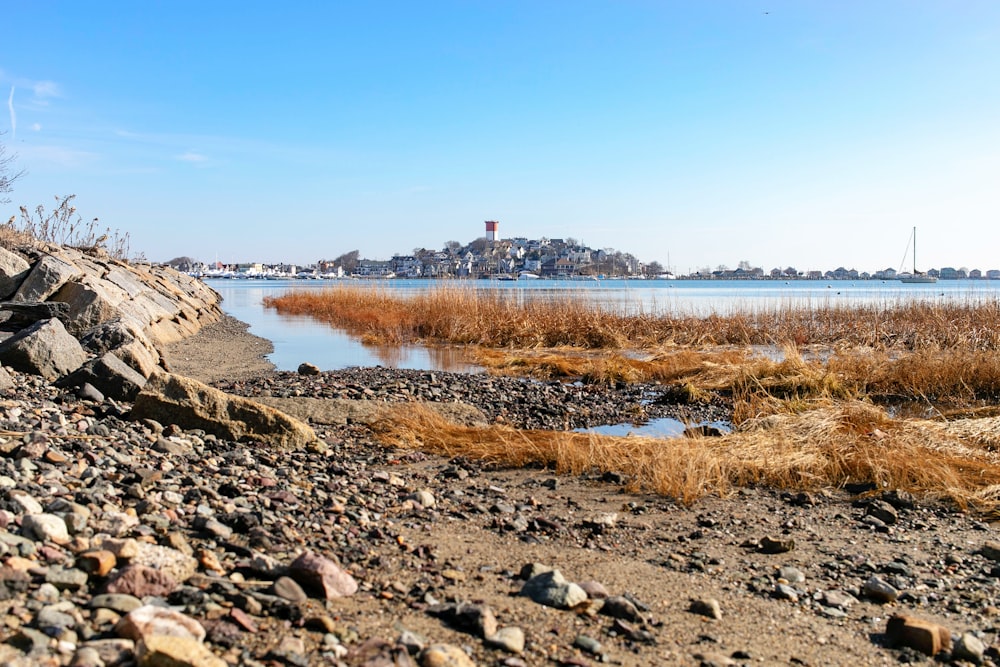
[300,339]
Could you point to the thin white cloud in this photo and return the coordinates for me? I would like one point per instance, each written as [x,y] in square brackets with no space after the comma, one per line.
[36,127]
[193,157]
[44,91]
[13,115]
[61,156]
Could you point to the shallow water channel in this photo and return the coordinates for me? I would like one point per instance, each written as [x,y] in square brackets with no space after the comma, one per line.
[298,339]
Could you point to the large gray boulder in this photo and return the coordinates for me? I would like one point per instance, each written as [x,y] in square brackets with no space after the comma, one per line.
[127,341]
[45,348]
[13,270]
[110,375]
[90,302]
[46,277]
[173,399]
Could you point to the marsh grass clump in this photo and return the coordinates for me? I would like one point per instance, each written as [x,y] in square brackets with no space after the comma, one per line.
[849,442]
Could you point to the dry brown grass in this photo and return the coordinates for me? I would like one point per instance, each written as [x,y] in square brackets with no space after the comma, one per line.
[465,314]
[907,350]
[829,446]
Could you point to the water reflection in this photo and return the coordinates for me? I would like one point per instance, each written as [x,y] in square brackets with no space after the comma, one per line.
[298,339]
[450,359]
[664,427]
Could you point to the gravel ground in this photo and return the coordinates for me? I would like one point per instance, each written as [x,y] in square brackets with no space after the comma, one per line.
[439,550]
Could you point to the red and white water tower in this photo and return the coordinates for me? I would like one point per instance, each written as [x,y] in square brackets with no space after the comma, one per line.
[492,230]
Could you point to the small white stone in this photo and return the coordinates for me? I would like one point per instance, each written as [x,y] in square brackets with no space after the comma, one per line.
[45,528]
[26,502]
[425,498]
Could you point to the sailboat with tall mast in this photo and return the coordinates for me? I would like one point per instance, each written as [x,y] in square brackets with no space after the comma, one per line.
[916,277]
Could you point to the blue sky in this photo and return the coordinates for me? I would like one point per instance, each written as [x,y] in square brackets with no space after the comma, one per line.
[809,134]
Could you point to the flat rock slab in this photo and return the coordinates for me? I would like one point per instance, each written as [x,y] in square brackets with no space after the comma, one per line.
[343,410]
[173,399]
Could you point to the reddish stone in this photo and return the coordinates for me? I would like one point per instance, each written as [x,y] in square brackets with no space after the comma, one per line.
[52,554]
[243,619]
[320,574]
[924,636]
[52,456]
[141,581]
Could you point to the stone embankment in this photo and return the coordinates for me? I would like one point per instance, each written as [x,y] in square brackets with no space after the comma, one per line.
[82,317]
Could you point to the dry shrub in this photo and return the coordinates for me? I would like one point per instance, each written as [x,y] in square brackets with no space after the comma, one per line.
[62,225]
[828,447]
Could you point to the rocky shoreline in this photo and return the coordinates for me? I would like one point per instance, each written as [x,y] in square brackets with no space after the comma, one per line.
[121,532]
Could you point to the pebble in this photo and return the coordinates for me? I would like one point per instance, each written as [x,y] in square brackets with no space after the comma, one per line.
[878,589]
[174,651]
[595,590]
[552,590]
[588,644]
[835,599]
[45,528]
[424,498]
[122,604]
[444,655]
[791,575]
[786,592]
[289,589]
[617,606]
[509,639]
[970,648]
[173,563]
[708,607]
[141,581]
[882,511]
[149,620]
[66,579]
[98,562]
[322,575]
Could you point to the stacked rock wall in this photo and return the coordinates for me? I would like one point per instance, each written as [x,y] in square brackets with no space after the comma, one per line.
[111,308]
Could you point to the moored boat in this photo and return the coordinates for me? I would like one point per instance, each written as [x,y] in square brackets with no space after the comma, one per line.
[917,277]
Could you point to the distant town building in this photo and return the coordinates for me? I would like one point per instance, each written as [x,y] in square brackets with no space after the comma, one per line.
[372,268]
[407,266]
